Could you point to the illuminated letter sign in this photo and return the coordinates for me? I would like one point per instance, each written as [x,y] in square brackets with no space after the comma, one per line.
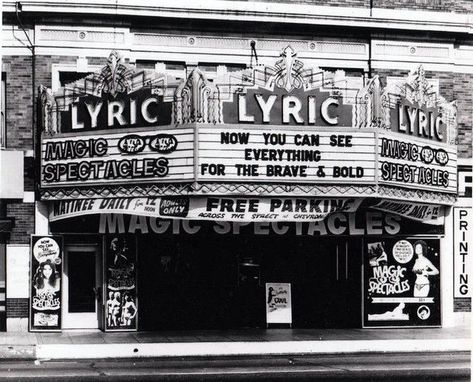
[138,109]
[423,122]
[278,107]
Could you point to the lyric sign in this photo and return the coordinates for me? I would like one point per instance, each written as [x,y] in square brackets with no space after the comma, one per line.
[158,155]
[287,155]
[280,107]
[46,271]
[210,208]
[420,121]
[402,283]
[141,108]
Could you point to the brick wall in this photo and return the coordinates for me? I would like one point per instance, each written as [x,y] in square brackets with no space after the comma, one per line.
[24,222]
[17,307]
[19,114]
[463,85]
[452,86]
[44,67]
[462,305]
[18,101]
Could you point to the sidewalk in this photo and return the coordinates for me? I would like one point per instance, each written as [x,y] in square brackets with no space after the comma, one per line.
[82,344]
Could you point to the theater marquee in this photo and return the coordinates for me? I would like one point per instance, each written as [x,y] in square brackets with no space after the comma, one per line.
[114,157]
[295,129]
[286,155]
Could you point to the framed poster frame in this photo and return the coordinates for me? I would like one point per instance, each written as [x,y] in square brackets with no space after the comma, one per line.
[45,250]
[124,274]
[278,303]
[364,287]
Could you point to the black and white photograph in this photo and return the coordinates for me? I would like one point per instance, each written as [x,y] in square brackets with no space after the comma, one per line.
[236,190]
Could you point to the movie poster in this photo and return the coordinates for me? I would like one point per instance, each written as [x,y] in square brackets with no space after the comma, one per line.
[121,306]
[46,271]
[402,282]
[278,303]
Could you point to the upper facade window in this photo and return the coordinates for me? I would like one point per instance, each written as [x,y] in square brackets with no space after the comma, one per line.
[66,78]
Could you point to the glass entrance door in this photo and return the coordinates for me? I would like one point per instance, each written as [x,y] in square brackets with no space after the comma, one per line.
[82,285]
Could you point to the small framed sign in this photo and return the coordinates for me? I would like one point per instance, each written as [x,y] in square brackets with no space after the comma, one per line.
[278,303]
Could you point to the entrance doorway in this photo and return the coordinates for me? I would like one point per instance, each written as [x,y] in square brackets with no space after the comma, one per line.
[82,287]
[212,281]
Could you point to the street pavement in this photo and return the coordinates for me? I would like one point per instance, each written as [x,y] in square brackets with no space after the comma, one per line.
[427,366]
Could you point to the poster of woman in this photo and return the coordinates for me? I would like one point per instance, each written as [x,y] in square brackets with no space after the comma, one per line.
[46,279]
[121,304]
[45,304]
[402,283]
[423,268]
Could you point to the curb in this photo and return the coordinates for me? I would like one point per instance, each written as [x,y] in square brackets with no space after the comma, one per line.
[206,349]
[20,352]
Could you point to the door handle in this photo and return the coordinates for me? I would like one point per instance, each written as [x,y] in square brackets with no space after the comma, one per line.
[97,292]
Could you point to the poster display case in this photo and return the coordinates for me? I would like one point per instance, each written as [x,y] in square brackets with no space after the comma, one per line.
[121,302]
[401,282]
[45,283]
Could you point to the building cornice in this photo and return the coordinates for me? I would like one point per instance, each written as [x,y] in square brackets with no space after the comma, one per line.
[283,13]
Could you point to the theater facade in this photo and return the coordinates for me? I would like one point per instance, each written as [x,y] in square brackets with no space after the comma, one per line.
[277,195]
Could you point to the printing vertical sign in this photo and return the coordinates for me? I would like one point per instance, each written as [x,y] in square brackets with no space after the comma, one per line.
[278,303]
[121,308]
[45,297]
[402,283]
[462,222]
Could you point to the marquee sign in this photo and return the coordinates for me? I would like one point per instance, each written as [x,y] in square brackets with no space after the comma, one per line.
[286,155]
[152,155]
[421,212]
[273,125]
[209,208]
[415,163]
